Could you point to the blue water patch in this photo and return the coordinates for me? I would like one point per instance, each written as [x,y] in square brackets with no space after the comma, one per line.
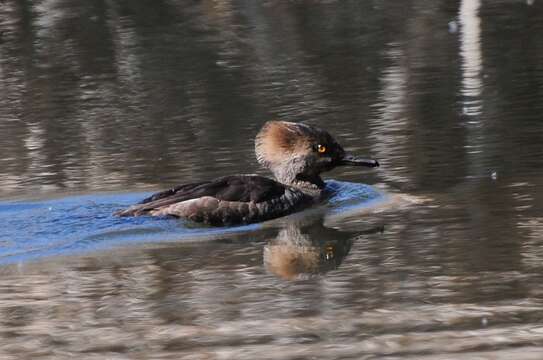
[36,229]
[348,196]
[31,230]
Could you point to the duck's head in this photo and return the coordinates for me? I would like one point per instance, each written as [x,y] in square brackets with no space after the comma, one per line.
[298,153]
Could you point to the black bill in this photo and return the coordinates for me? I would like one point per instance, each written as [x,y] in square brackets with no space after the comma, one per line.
[349,159]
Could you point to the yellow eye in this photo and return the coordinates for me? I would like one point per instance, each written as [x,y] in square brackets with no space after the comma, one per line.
[321,149]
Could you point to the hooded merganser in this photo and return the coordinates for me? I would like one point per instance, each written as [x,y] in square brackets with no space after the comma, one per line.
[295,153]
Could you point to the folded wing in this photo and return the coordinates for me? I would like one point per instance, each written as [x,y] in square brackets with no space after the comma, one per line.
[224,201]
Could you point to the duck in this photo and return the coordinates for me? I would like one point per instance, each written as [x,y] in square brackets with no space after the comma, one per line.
[295,153]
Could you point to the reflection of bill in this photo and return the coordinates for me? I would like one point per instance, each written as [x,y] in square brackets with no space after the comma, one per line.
[300,252]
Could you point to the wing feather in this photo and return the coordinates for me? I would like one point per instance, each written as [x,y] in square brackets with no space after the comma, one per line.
[241,188]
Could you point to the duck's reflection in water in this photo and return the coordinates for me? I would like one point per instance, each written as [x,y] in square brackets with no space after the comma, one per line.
[303,250]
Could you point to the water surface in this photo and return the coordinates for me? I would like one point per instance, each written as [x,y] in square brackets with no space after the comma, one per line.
[103,102]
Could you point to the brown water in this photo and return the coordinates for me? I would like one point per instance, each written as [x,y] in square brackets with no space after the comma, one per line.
[111,99]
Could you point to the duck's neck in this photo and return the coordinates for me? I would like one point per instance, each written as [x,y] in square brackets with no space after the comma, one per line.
[294,173]
[310,185]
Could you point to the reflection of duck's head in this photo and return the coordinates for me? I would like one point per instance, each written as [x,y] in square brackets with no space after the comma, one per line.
[297,153]
[295,254]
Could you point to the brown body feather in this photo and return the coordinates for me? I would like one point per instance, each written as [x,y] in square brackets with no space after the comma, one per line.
[239,199]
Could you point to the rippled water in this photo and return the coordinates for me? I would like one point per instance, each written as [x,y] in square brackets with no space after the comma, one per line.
[72,225]
[435,255]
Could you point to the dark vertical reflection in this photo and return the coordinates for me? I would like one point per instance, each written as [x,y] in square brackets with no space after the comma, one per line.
[514,77]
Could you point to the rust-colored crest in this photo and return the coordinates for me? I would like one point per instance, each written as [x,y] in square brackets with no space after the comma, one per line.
[279,139]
